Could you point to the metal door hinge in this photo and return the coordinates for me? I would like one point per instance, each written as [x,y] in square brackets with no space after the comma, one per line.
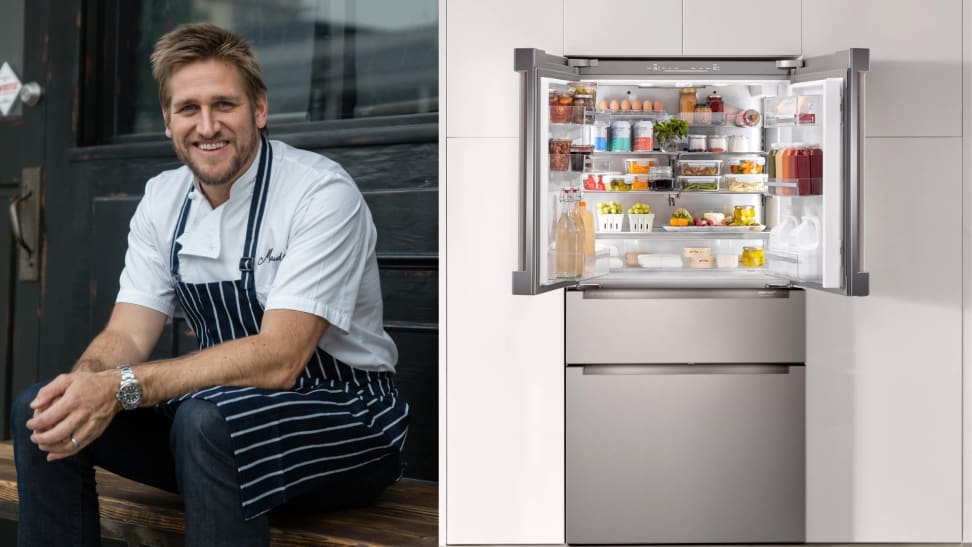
[581,62]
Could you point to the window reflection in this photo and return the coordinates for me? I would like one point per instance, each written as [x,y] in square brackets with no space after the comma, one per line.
[321,59]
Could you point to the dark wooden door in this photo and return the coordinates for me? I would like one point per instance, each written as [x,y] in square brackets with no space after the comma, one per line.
[24,152]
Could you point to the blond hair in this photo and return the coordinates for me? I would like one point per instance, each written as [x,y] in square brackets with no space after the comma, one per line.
[201,42]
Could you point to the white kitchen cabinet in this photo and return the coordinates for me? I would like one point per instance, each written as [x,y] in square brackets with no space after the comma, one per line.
[622,28]
[741,28]
[884,372]
[914,87]
[505,364]
[482,89]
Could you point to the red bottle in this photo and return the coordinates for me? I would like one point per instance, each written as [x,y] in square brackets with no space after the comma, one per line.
[803,171]
[816,169]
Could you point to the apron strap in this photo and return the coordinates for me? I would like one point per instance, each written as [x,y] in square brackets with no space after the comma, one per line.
[258,204]
[180,227]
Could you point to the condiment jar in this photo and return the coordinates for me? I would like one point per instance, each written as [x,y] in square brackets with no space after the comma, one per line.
[703,115]
[753,257]
[738,143]
[715,102]
[696,143]
[746,214]
[717,143]
[687,101]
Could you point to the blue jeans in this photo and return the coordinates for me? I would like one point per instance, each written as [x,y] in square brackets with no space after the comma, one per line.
[189,454]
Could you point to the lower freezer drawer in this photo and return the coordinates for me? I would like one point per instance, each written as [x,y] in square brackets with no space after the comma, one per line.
[685,454]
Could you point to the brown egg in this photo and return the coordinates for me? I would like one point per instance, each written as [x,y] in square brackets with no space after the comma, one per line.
[603,105]
[647,106]
[636,104]
[626,105]
[614,104]
[659,106]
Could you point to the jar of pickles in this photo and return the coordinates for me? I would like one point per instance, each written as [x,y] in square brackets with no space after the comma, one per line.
[744,214]
[752,257]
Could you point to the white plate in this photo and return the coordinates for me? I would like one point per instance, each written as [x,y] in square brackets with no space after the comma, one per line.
[716,229]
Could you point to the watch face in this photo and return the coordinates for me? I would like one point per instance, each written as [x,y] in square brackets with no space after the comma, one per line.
[130,395]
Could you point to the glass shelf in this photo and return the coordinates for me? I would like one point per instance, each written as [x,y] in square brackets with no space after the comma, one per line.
[661,234]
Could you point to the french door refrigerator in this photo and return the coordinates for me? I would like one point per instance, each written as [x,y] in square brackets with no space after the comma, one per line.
[685,248]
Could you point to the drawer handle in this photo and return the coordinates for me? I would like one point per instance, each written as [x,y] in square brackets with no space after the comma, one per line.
[718,368]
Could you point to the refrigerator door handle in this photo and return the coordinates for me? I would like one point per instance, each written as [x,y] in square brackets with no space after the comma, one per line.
[682,369]
[666,294]
[523,276]
[860,280]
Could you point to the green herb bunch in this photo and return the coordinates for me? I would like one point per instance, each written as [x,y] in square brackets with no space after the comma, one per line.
[670,129]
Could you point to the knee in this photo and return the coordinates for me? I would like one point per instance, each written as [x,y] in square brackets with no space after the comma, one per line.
[21,412]
[198,426]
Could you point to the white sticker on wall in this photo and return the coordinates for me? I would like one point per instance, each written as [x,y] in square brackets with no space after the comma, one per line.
[9,88]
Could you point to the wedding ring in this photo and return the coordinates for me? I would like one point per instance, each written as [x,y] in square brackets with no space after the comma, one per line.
[75,443]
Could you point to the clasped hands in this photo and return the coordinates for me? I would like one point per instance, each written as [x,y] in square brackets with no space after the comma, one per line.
[72,411]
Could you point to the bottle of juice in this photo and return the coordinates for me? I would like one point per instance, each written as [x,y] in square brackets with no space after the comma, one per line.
[569,243]
[771,162]
[816,169]
[578,218]
[780,171]
[790,165]
[803,170]
[587,218]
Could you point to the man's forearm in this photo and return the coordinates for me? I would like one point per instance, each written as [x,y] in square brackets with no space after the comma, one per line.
[108,350]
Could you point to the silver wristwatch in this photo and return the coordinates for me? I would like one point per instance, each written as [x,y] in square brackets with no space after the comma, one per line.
[130,392]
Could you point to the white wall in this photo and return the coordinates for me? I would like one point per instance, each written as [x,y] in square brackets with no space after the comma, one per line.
[885,372]
[504,356]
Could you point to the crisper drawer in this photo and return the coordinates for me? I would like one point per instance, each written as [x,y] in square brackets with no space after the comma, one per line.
[685,454]
[617,326]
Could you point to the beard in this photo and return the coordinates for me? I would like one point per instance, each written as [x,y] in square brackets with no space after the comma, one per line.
[219,174]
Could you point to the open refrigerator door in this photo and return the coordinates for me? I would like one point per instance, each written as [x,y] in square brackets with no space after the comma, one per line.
[815,136]
[557,246]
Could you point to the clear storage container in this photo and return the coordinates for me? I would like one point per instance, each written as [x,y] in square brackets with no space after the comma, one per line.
[638,165]
[699,168]
[745,183]
[746,166]
[698,184]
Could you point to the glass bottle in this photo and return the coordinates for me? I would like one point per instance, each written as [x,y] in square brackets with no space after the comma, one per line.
[569,245]
[715,102]
[587,221]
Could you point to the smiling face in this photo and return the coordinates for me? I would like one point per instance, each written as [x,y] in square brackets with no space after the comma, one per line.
[214,126]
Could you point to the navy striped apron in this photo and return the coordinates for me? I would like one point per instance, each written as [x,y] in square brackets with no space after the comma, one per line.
[333,420]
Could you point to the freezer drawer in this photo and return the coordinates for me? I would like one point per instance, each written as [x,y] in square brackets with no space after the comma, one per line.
[691,326]
[685,454]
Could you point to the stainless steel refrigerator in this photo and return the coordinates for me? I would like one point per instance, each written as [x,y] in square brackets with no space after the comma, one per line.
[685,329]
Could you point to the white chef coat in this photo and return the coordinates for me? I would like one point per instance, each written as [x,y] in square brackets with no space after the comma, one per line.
[315,253]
